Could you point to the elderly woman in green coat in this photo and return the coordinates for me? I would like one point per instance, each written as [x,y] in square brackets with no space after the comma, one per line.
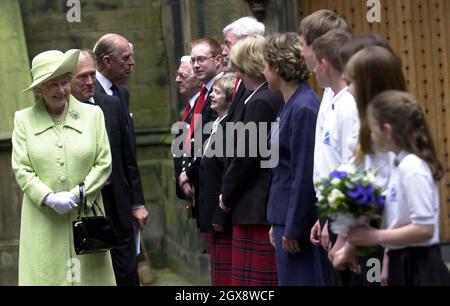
[58,143]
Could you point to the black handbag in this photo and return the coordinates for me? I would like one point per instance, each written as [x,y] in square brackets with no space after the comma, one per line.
[92,234]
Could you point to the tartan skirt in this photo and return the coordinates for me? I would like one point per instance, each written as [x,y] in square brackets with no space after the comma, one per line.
[253,257]
[219,248]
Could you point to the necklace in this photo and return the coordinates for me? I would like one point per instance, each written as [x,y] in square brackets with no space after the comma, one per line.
[58,122]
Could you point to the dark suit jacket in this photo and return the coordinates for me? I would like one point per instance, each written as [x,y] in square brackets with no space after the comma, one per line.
[245,183]
[210,175]
[124,97]
[292,197]
[178,160]
[137,194]
[191,164]
[234,114]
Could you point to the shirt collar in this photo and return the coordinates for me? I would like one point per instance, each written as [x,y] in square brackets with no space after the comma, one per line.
[43,121]
[211,82]
[193,99]
[337,97]
[106,84]
[399,157]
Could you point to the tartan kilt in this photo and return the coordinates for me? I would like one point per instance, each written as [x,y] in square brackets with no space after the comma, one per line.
[253,257]
[219,248]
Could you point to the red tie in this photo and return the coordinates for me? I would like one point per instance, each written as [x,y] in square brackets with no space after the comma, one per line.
[197,112]
[186,111]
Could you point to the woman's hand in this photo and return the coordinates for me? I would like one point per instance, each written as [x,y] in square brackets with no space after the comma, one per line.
[271,237]
[219,228]
[314,236]
[345,258]
[325,238]
[340,243]
[222,205]
[290,245]
[61,202]
[363,235]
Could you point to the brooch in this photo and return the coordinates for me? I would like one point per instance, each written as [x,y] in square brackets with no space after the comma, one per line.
[75,115]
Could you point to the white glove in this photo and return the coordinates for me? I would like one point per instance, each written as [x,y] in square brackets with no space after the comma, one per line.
[61,202]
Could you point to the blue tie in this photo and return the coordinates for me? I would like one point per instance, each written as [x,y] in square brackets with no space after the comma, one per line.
[114,90]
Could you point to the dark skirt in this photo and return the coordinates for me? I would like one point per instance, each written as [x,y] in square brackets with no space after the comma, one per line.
[310,267]
[219,248]
[417,266]
[253,257]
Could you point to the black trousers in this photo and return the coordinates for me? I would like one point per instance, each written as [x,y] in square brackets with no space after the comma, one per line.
[125,263]
[124,257]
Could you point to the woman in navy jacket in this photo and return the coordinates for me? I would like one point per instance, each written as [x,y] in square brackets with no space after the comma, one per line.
[291,207]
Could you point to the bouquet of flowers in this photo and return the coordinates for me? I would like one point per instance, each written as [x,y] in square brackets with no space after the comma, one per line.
[348,198]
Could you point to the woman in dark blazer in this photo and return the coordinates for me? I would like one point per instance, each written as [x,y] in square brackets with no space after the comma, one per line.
[291,207]
[246,183]
[211,219]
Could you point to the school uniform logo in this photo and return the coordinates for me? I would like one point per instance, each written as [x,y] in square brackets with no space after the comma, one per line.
[326,138]
[393,195]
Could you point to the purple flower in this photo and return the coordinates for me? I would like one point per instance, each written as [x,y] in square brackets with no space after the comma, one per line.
[380,201]
[362,195]
[338,174]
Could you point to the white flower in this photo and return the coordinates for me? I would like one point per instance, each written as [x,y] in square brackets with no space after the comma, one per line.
[334,197]
[350,169]
[335,181]
[371,178]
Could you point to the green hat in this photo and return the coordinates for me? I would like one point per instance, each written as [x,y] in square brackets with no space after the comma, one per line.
[51,64]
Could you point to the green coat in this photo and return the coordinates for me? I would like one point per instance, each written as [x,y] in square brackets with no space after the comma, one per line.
[44,162]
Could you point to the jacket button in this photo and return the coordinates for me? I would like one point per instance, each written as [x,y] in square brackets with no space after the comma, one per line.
[59,144]
[62,178]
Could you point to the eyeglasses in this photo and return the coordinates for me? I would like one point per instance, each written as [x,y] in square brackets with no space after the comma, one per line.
[200,59]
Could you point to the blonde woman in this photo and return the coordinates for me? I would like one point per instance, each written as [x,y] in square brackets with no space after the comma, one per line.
[246,183]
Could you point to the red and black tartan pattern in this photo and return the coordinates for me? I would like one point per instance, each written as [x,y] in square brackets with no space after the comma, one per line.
[219,248]
[253,257]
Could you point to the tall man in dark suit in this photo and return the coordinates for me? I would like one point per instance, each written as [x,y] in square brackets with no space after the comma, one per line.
[113,55]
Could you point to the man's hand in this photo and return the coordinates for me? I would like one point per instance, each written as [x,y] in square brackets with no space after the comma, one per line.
[140,215]
[186,185]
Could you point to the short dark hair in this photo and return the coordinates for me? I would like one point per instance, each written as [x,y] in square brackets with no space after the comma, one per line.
[319,23]
[328,45]
[214,46]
